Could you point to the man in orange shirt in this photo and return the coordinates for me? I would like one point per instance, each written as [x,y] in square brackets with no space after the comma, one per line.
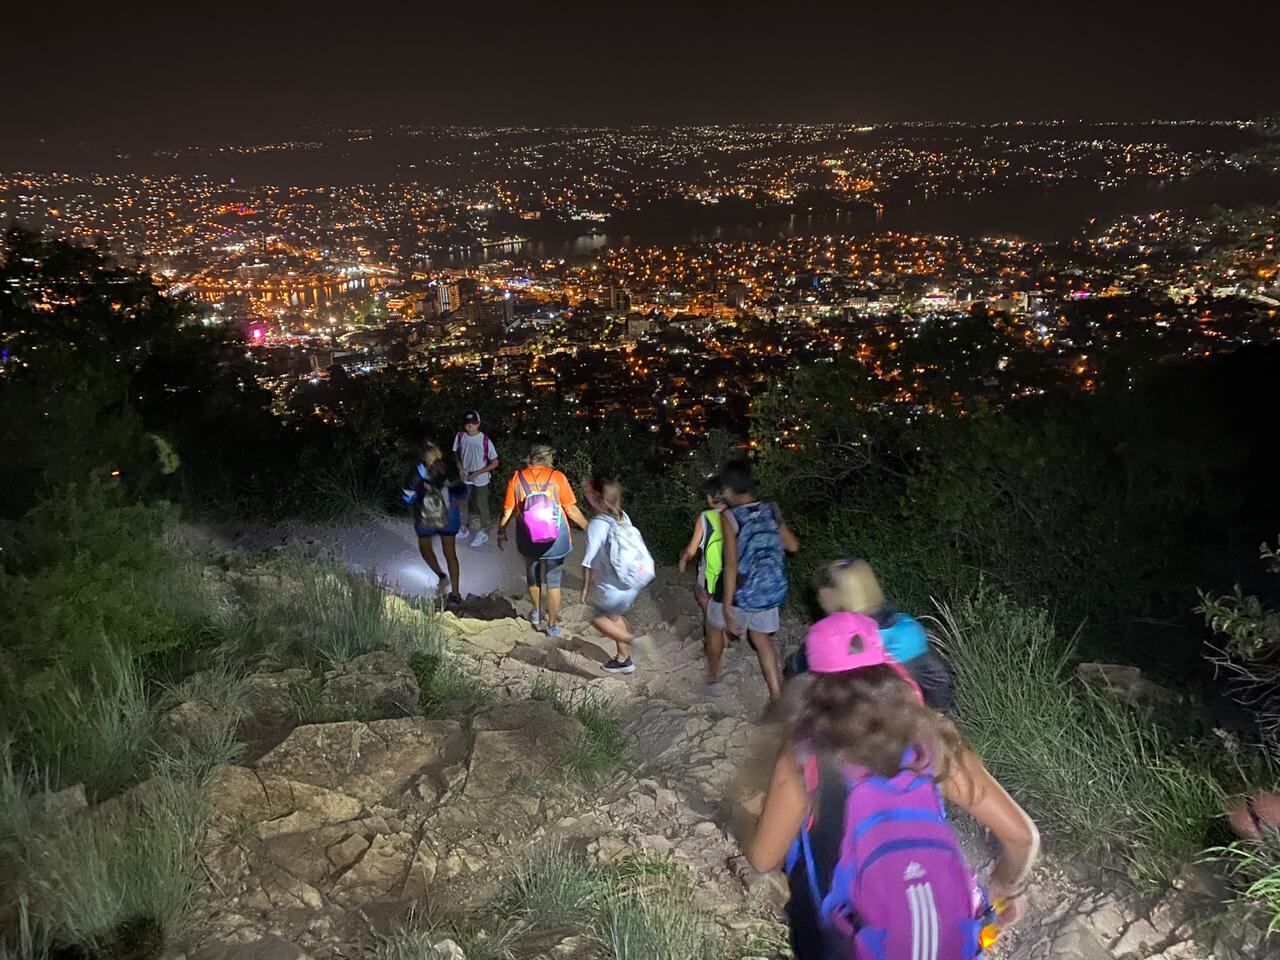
[541,482]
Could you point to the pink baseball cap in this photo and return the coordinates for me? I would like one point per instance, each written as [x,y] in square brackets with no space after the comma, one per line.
[848,641]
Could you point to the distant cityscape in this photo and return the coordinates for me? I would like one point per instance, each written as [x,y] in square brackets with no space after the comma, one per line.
[671,274]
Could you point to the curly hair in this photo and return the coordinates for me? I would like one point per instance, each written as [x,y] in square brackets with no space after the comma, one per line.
[869,717]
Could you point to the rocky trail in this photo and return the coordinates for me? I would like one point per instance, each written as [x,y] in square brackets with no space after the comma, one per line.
[329,833]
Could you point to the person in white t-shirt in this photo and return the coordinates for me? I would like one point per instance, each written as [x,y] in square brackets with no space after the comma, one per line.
[477,459]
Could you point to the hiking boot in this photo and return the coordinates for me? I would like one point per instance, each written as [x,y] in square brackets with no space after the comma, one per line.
[535,618]
[480,539]
[620,666]
[442,587]
[554,632]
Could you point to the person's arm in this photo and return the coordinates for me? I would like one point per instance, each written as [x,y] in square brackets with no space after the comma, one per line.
[508,508]
[491,463]
[695,544]
[574,514]
[971,787]
[785,807]
[457,454]
[790,542]
[729,572]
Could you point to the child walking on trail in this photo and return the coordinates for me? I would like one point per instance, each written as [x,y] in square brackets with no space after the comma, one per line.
[707,543]
[753,586]
[851,584]
[854,813]
[615,566]
[435,498]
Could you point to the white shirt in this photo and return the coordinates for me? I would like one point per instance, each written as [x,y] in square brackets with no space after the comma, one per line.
[475,452]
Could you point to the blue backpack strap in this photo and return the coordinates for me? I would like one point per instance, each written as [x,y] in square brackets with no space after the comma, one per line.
[821,840]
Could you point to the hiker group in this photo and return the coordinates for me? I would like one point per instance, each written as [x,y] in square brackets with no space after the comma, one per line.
[854,810]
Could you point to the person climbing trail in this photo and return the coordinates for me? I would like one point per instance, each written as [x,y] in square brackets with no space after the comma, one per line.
[854,813]
[545,502]
[615,567]
[707,544]
[753,585]
[851,584]
[434,496]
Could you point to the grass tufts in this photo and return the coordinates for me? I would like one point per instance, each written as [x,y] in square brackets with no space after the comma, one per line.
[1098,775]
[97,732]
[656,924]
[601,748]
[556,888]
[124,871]
[1254,865]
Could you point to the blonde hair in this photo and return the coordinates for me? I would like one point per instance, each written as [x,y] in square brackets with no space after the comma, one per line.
[606,493]
[855,586]
[433,459]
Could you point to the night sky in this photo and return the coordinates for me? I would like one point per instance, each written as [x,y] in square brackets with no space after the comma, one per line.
[140,75]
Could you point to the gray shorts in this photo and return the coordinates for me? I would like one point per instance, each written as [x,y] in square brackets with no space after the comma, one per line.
[754,621]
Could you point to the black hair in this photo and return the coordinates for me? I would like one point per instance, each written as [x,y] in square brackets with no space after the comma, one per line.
[713,486]
[737,476]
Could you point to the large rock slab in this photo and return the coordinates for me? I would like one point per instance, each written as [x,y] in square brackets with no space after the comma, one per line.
[377,684]
[490,636]
[277,804]
[372,762]
[388,865]
[516,744]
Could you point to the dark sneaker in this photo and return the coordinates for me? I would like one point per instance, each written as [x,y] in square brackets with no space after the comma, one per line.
[620,666]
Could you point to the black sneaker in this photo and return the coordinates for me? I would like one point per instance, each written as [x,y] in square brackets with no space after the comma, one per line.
[620,666]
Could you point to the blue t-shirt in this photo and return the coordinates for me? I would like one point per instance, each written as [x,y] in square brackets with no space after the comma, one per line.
[903,636]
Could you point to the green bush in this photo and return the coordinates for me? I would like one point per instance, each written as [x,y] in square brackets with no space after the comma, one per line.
[91,570]
[1098,775]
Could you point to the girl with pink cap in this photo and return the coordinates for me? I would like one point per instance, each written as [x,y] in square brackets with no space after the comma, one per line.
[854,811]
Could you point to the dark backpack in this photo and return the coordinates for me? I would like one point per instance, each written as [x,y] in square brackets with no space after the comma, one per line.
[431,511]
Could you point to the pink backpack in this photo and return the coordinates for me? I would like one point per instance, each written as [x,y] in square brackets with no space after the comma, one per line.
[540,510]
[883,870]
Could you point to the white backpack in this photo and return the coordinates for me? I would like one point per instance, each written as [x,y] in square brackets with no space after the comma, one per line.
[630,558]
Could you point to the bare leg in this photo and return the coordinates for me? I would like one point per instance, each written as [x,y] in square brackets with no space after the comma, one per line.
[553,606]
[615,628]
[429,555]
[768,657]
[535,596]
[714,644]
[450,547]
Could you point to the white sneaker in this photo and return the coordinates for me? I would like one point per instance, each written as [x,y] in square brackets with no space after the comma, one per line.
[464,533]
[480,539]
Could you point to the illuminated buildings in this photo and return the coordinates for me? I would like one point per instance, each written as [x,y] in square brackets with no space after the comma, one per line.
[448,297]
